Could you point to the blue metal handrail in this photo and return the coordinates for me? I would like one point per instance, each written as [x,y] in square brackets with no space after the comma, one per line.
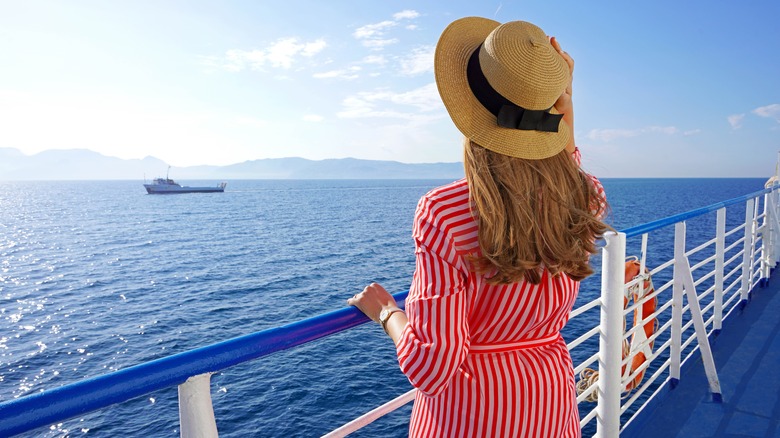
[54,405]
[671,220]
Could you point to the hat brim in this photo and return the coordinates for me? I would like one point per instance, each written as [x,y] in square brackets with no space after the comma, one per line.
[456,45]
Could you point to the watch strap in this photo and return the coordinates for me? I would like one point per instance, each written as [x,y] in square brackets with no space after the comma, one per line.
[384,320]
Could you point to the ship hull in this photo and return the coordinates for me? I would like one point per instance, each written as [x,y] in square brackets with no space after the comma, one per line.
[153,189]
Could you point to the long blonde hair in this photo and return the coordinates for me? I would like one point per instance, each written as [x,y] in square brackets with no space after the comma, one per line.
[532,214]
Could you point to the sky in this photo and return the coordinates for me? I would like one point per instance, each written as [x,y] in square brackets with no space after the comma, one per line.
[661,88]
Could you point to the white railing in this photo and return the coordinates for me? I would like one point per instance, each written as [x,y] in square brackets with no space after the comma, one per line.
[707,282]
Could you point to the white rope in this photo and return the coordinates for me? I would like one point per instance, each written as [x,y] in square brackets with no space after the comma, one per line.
[588,378]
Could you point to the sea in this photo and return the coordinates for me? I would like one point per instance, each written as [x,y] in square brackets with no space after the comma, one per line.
[96,276]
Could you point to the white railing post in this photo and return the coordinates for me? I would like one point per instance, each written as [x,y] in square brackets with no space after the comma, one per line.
[776,213]
[771,233]
[747,256]
[771,229]
[675,354]
[611,339]
[682,271]
[720,250]
[643,255]
[755,231]
[196,415]
[766,241]
[774,203]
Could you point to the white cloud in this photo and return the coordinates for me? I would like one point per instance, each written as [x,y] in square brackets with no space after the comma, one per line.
[313,118]
[313,48]
[373,30]
[282,54]
[668,130]
[373,35]
[419,61]
[347,74]
[692,132]
[383,103]
[379,44]
[613,134]
[406,15]
[425,98]
[770,111]
[237,60]
[735,120]
[375,59]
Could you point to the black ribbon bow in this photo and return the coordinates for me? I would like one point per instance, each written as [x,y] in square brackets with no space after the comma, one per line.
[516,117]
[508,115]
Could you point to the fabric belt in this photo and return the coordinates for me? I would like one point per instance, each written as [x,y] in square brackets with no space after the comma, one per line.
[501,347]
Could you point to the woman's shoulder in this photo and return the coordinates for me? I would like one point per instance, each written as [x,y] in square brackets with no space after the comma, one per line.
[452,193]
[446,206]
[444,219]
[439,200]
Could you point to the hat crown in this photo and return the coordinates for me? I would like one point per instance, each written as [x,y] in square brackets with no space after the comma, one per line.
[520,63]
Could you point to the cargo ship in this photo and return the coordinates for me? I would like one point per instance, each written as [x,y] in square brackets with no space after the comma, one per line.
[167,186]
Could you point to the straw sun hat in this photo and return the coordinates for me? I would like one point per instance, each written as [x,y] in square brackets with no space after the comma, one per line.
[499,83]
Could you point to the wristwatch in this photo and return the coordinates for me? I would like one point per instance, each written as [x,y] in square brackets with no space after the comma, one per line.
[385,315]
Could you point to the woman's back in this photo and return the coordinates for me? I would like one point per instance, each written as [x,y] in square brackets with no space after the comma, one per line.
[490,361]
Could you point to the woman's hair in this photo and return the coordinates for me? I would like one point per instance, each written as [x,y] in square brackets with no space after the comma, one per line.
[532,214]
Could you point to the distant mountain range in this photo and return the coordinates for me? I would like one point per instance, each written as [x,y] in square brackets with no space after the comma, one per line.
[82,164]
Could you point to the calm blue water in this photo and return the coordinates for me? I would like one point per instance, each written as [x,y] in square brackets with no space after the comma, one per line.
[99,276]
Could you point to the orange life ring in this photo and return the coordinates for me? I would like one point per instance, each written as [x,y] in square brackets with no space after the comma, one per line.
[641,345]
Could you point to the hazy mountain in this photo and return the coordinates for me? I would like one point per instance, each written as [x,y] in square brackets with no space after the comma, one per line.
[82,164]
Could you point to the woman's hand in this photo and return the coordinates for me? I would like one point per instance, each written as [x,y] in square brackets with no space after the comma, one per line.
[372,300]
[564,104]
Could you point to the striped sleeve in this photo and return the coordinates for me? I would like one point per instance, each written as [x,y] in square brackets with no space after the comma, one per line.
[600,209]
[435,341]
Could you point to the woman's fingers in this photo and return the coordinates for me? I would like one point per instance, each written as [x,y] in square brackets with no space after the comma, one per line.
[556,45]
[566,57]
[372,300]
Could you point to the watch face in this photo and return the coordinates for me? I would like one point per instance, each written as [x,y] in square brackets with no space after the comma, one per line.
[383,314]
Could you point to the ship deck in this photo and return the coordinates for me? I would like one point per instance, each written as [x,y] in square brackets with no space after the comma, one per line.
[747,357]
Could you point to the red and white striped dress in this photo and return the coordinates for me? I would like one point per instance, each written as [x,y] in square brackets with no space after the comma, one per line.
[488,360]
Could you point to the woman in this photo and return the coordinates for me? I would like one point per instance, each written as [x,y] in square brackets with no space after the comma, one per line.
[499,255]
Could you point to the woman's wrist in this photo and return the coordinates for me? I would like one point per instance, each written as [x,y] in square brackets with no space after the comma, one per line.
[386,314]
[395,326]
